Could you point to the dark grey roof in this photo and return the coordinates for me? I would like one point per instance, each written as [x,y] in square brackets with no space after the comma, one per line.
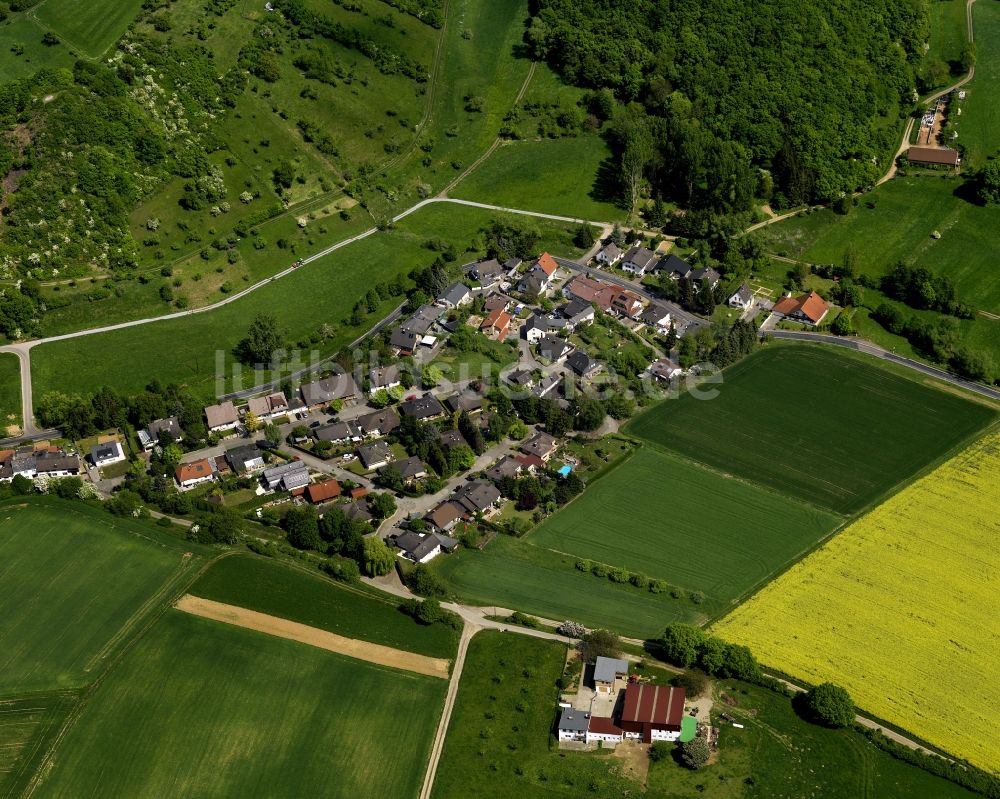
[540,444]
[170,426]
[338,431]
[384,375]
[606,669]
[743,293]
[238,457]
[376,452]
[455,293]
[488,271]
[532,283]
[520,377]
[553,348]
[640,256]
[417,545]
[384,421]
[358,511]
[422,320]
[505,467]
[545,385]
[334,387]
[574,720]
[654,313]
[452,438]
[477,495]
[581,363]
[101,452]
[403,339]
[611,250]
[421,407]
[411,467]
[673,265]
[575,307]
[467,401]
[46,462]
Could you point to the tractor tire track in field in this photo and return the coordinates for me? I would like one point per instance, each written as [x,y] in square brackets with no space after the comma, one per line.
[313,636]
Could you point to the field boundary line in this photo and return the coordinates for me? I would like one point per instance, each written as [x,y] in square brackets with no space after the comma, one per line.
[313,636]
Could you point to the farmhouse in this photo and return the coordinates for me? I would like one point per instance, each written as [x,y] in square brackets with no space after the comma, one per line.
[169,428]
[247,458]
[191,474]
[288,476]
[323,392]
[374,456]
[652,712]
[323,491]
[423,408]
[742,298]
[809,309]
[933,156]
[106,454]
[221,417]
[455,296]
[573,724]
[638,260]
[269,407]
[608,672]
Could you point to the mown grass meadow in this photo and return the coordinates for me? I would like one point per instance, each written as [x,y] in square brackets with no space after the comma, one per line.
[901,609]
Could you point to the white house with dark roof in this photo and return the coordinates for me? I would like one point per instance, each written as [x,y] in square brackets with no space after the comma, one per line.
[384,377]
[638,260]
[609,674]
[106,454]
[455,296]
[609,254]
[150,437]
[742,298]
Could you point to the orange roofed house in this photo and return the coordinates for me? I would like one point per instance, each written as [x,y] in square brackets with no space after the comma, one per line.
[497,324]
[810,309]
[191,474]
[323,491]
[536,280]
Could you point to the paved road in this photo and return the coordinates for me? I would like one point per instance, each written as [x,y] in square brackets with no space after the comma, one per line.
[28,427]
[868,348]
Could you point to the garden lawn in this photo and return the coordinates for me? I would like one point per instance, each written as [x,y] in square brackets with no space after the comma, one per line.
[901,609]
[290,593]
[189,349]
[555,176]
[832,429]
[203,709]
[512,573]
[10,391]
[90,27]
[898,228]
[72,578]
[697,529]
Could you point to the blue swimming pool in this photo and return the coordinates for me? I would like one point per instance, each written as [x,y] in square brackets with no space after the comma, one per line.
[565,469]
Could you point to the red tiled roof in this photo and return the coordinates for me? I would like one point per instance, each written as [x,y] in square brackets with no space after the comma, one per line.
[530,460]
[322,491]
[547,264]
[813,306]
[602,725]
[191,471]
[358,492]
[786,305]
[653,704]
[5,454]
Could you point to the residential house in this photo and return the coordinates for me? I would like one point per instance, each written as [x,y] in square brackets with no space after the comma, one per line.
[374,455]
[530,463]
[589,290]
[582,364]
[418,547]
[609,254]
[603,730]
[357,492]
[664,370]
[511,265]
[538,277]
[221,417]
[53,462]
[189,475]
[320,393]
[106,454]
[657,317]
[541,444]
[546,386]
[323,491]
[521,378]
[357,511]
[269,407]
[245,459]
[445,516]
[423,320]
[576,313]
[706,273]
[450,439]
[810,309]
[676,268]
[554,349]
[378,423]
[608,673]
[169,427]
[465,401]
[535,328]
[455,296]
[339,432]
[487,273]
[384,377]
[742,298]
[477,496]
[423,408]
[497,324]
[288,476]
[495,301]
[404,342]
[573,724]
[411,469]
[503,468]
[627,304]
[638,260]
[652,712]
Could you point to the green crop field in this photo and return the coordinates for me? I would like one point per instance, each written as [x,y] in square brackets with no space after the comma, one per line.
[27,727]
[185,349]
[977,127]
[513,573]
[91,26]
[948,31]
[828,428]
[696,529]
[10,391]
[70,582]
[203,709]
[555,176]
[281,590]
[898,228]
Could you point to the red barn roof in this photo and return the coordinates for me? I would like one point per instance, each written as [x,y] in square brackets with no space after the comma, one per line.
[659,705]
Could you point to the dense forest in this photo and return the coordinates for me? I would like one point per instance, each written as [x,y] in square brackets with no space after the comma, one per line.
[717,101]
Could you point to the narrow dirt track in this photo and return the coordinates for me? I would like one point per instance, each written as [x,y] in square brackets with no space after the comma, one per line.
[321,639]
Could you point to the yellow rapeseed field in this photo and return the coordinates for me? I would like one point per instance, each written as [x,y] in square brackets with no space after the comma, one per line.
[902,608]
